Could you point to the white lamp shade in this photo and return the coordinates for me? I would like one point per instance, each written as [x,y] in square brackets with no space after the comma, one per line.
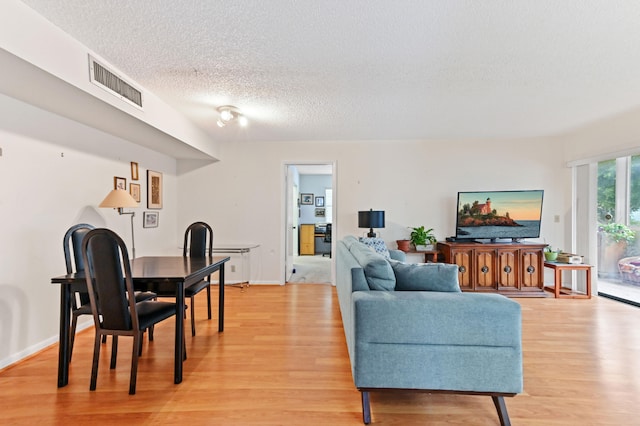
[118,198]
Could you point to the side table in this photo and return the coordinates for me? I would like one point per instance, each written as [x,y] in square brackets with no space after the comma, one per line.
[433,253]
[565,292]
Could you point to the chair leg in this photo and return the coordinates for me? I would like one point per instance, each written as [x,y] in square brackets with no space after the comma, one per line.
[151,333]
[193,316]
[72,335]
[366,408]
[209,300]
[114,351]
[94,365]
[137,340]
[501,407]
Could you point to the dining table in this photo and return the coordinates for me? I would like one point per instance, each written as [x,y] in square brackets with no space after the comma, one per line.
[167,276]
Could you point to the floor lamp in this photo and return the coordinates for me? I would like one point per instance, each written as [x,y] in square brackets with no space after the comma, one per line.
[118,199]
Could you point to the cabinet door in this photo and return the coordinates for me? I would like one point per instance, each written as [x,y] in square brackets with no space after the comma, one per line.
[532,269]
[508,270]
[307,236]
[462,258]
[485,270]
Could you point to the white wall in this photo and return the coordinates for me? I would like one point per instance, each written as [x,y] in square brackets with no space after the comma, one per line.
[416,183]
[316,185]
[53,174]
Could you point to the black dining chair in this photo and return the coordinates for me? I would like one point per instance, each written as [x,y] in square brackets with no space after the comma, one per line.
[198,239]
[327,238]
[72,246]
[115,311]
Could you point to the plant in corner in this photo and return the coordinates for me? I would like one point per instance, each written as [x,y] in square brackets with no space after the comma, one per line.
[613,241]
[420,237]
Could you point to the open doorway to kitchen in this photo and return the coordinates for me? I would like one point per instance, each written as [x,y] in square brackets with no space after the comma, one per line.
[309,222]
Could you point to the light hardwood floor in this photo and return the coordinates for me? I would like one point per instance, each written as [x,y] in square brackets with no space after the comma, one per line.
[282,360]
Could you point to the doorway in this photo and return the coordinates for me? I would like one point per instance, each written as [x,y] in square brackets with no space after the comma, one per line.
[310,206]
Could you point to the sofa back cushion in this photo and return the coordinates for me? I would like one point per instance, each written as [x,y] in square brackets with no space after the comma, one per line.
[377,269]
[425,276]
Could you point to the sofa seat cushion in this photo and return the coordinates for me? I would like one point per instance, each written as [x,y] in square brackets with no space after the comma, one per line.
[425,276]
[377,269]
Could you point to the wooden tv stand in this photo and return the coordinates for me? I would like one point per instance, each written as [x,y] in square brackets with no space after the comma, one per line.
[511,269]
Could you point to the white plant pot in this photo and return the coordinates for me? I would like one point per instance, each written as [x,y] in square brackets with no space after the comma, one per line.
[424,248]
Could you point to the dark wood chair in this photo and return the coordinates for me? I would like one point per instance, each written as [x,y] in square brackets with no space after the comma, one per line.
[113,303]
[327,238]
[72,246]
[198,240]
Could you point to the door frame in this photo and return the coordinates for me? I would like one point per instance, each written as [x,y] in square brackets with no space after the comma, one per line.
[287,205]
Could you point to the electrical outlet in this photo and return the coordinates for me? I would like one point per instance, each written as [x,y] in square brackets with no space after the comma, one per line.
[233,268]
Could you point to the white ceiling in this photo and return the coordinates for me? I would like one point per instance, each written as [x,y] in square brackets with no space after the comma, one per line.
[372,69]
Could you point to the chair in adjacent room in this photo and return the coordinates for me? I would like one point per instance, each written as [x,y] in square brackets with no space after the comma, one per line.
[72,246]
[113,306]
[198,239]
[327,238]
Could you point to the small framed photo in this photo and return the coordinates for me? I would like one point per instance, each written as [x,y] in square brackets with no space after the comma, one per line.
[306,199]
[134,171]
[320,213]
[134,190]
[319,201]
[154,190]
[150,219]
[119,183]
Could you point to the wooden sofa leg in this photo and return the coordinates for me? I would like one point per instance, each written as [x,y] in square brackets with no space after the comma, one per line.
[366,408]
[501,407]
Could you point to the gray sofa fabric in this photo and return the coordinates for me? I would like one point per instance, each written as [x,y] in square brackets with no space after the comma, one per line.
[425,340]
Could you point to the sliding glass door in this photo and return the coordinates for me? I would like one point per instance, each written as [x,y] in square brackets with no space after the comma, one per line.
[618,215]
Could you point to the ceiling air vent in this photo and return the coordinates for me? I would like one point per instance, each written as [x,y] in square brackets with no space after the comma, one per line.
[109,81]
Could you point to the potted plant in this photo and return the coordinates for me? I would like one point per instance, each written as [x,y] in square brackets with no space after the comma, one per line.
[422,239]
[550,254]
[613,239]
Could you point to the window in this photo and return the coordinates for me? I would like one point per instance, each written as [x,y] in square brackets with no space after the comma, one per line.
[328,205]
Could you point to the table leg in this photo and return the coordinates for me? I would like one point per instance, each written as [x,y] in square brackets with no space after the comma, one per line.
[63,344]
[557,282]
[179,350]
[588,270]
[221,298]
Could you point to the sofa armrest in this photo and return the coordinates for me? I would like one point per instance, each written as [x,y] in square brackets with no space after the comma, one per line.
[398,255]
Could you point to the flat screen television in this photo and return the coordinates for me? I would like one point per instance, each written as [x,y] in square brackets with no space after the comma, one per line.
[491,215]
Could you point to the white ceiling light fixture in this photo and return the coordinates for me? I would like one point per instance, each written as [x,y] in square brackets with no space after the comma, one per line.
[230,114]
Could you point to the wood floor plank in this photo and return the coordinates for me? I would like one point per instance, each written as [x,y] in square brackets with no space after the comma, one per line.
[282,360]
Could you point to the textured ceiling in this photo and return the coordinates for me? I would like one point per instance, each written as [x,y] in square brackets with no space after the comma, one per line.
[372,69]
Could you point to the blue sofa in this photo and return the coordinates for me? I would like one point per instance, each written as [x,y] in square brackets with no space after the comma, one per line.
[408,326]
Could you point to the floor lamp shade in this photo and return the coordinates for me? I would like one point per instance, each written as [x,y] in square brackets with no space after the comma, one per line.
[371,219]
[117,199]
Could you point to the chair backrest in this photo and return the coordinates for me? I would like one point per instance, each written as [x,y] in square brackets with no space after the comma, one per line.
[196,237]
[327,234]
[72,246]
[108,275]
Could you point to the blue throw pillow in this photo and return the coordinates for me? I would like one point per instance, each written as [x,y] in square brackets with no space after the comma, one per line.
[377,269]
[426,277]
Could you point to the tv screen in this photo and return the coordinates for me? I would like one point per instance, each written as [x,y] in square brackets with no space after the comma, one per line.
[492,215]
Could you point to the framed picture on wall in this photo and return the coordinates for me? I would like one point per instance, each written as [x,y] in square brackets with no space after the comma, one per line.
[150,219]
[320,213]
[319,201]
[119,183]
[134,170]
[134,190]
[306,199]
[154,190]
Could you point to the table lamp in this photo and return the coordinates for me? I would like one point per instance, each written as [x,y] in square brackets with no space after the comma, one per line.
[371,219]
[118,199]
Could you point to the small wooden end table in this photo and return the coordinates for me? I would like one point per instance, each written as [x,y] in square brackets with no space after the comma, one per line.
[565,292]
[433,253]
